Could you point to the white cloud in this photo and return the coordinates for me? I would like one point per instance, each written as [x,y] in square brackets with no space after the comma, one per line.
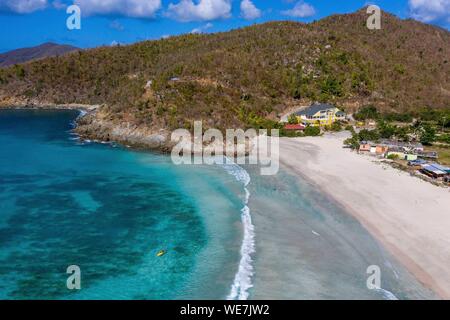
[59,5]
[300,10]
[430,10]
[116,25]
[202,10]
[23,6]
[115,43]
[128,8]
[203,28]
[249,11]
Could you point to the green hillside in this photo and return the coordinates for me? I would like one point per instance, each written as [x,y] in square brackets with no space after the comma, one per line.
[245,76]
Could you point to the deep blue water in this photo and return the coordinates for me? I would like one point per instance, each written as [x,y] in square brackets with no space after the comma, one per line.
[109,210]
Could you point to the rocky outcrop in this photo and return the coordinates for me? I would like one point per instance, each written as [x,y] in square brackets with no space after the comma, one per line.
[96,126]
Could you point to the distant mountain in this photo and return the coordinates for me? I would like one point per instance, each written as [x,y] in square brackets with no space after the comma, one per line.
[26,54]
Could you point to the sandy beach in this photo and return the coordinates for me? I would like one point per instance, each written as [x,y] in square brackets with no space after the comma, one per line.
[408,216]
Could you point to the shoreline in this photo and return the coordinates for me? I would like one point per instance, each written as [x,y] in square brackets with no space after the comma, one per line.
[239,289]
[50,106]
[368,191]
[317,151]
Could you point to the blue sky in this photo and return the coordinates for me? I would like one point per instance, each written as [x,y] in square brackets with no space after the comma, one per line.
[104,22]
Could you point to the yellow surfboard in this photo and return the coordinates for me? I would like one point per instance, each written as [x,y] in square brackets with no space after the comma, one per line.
[161,253]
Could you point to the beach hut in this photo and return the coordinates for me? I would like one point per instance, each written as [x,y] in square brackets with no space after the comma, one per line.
[380,150]
[417,164]
[411,157]
[428,155]
[294,127]
[441,168]
[365,147]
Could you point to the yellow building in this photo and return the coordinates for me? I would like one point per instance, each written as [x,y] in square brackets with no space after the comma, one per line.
[320,115]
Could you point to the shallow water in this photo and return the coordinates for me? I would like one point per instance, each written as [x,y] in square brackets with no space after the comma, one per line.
[308,247]
[109,210]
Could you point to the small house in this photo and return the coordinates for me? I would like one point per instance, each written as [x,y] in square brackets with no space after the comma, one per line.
[365,147]
[427,155]
[433,170]
[441,167]
[417,164]
[380,150]
[411,157]
[294,127]
[320,114]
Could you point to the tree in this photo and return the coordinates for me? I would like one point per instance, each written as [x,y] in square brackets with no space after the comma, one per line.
[352,142]
[312,131]
[428,135]
[366,135]
[367,112]
[335,126]
[402,133]
[386,130]
[393,156]
[332,87]
[292,119]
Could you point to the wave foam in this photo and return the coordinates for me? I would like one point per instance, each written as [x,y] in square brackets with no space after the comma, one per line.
[387,294]
[243,278]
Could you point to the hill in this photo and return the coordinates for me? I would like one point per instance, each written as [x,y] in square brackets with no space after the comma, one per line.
[244,77]
[27,54]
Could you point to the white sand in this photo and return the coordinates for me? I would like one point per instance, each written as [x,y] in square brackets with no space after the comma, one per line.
[410,217]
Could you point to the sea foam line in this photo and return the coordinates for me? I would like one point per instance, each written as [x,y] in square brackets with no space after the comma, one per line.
[243,278]
[386,294]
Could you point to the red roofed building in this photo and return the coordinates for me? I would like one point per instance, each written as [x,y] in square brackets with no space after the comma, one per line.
[294,127]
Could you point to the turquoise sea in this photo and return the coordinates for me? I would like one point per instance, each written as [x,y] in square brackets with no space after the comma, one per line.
[109,210]
[227,232]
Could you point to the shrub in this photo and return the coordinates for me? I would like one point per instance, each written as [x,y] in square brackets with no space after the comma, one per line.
[393,156]
[399,117]
[292,119]
[367,112]
[335,126]
[352,142]
[366,135]
[386,130]
[312,131]
[428,135]
[350,128]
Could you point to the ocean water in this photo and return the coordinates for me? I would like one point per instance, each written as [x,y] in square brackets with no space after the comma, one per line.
[109,210]
[229,232]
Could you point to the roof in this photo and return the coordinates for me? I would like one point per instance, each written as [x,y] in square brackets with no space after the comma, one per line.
[418,161]
[395,143]
[433,169]
[312,110]
[294,127]
[441,168]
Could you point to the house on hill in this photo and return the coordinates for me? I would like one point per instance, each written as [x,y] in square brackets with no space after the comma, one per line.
[320,114]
